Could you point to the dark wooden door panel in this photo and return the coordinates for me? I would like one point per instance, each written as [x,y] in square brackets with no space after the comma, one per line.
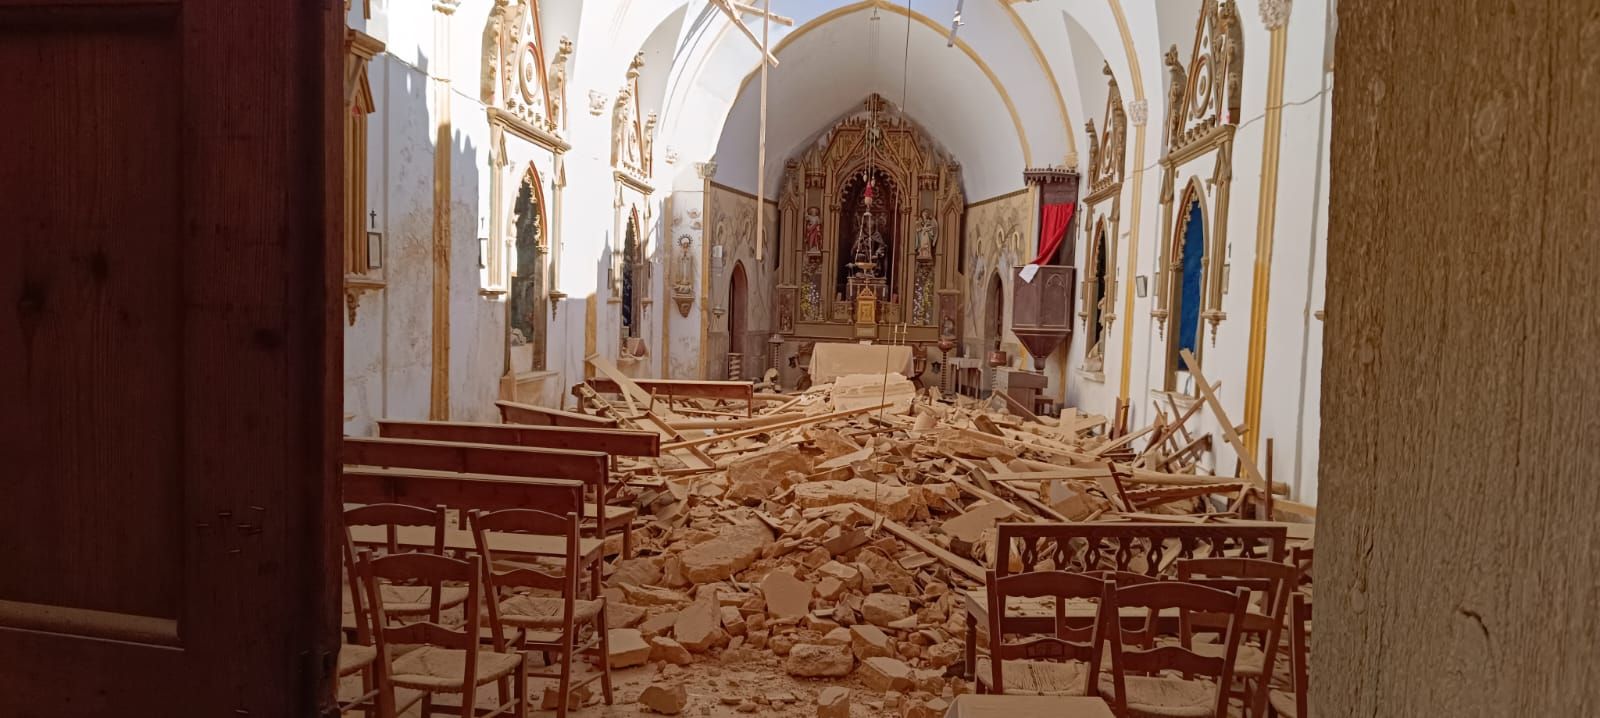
[93,422]
[168,356]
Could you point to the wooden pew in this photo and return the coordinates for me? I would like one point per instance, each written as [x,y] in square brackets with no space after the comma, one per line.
[1093,546]
[512,412]
[588,467]
[671,388]
[614,442]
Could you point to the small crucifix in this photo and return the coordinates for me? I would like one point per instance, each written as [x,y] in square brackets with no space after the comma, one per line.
[373,217]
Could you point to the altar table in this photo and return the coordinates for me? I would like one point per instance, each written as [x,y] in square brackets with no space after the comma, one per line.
[830,361]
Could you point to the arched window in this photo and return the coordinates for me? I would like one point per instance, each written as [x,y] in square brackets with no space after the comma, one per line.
[1094,300]
[1188,284]
[634,288]
[527,275]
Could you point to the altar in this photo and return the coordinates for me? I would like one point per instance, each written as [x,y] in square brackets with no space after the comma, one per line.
[874,208]
[832,360]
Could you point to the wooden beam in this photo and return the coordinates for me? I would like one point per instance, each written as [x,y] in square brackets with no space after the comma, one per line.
[970,569]
[774,427]
[512,412]
[1246,460]
[616,442]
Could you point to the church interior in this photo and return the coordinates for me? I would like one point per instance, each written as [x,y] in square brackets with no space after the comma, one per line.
[810,358]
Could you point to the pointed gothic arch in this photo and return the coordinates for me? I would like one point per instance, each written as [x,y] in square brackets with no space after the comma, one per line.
[529,223]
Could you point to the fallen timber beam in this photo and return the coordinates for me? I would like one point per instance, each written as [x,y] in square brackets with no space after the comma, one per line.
[736,423]
[1045,470]
[968,568]
[774,427]
[1246,457]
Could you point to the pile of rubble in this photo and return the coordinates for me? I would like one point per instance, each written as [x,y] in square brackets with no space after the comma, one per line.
[831,535]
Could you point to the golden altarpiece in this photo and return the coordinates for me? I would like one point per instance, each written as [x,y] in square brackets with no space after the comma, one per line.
[872,209]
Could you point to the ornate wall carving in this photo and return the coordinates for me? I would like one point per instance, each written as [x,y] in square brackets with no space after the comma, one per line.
[1102,208]
[1203,100]
[839,238]
[514,73]
[630,133]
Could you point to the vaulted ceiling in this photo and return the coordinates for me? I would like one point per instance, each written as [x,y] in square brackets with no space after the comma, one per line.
[1012,91]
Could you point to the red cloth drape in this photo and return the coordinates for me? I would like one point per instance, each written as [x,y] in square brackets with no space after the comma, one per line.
[1053,222]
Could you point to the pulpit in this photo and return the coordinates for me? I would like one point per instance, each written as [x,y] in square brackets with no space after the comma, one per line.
[1041,313]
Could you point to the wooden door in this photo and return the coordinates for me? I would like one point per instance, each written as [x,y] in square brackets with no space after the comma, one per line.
[168,350]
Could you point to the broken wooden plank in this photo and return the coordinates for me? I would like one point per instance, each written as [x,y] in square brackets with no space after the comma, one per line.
[969,569]
[1246,457]
[774,427]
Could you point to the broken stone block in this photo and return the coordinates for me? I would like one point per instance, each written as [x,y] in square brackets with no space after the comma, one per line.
[733,550]
[819,624]
[886,674]
[658,623]
[759,476]
[810,660]
[943,654]
[756,639]
[829,588]
[867,641]
[666,649]
[652,595]
[665,698]
[699,627]
[883,609]
[644,571]
[781,644]
[833,702]
[931,708]
[847,575]
[623,615]
[967,527]
[837,637]
[732,621]
[627,648]
[785,595]
[551,699]
[895,502]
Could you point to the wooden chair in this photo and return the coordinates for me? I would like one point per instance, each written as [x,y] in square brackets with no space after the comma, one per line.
[1272,582]
[401,601]
[444,660]
[1294,702]
[546,623]
[1079,644]
[1141,684]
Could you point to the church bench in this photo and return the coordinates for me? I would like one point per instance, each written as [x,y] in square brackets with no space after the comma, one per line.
[512,412]
[614,442]
[672,388]
[467,492]
[1147,548]
[588,467]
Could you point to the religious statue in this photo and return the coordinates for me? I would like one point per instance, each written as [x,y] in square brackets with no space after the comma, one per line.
[927,236]
[813,231]
[683,267]
[626,135]
[558,82]
[683,276]
[868,250]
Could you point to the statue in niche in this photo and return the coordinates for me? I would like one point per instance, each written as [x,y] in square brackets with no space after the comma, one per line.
[785,318]
[647,140]
[927,236]
[626,135]
[558,82]
[683,276]
[869,247]
[683,267]
[813,231]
